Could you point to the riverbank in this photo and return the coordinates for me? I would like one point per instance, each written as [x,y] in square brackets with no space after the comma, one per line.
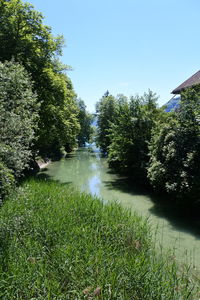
[57,243]
[43,163]
[89,172]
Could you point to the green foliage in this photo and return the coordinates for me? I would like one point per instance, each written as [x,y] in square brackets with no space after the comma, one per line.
[18,117]
[56,243]
[175,151]
[131,132]
[85,120]
[24,38]
[58,124]
[106,112]
[160,154]
[145,142]
[7,181]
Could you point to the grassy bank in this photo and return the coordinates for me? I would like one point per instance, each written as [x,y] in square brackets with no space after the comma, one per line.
[56,243]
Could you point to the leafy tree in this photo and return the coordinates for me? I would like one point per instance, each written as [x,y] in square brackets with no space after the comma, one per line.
[85,120]
[161,141]
[24,38]
[130,134]
[58,124]
[106,110]
[18,121]
[175,151]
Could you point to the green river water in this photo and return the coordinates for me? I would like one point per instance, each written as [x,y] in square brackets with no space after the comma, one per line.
[89,172]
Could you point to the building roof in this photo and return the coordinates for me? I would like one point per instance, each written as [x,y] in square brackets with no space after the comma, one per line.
[191,81]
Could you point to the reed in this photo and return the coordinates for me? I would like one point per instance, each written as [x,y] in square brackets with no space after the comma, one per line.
[58,243]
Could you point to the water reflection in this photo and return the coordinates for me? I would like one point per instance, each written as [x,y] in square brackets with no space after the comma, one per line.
[94,183]
[89,172]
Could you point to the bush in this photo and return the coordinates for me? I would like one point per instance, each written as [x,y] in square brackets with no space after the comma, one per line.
[175,152]
[18,119]
[7,180]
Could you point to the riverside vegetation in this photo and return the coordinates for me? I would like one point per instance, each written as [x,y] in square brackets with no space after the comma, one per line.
[59,244]
[55,242]
[154,147]
[40,114]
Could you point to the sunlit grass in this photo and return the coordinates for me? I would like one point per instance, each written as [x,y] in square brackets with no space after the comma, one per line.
[56,243]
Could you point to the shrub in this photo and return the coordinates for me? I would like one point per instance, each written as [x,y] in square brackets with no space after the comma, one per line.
[18,119]
[6,180]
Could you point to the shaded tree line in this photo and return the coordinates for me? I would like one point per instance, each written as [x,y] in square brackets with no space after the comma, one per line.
[39,110]
[152,146]
[85,120]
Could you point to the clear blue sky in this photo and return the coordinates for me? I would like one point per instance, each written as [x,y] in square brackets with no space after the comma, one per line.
[126,46]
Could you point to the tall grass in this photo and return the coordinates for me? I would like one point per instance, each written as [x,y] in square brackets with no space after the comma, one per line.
[56,243]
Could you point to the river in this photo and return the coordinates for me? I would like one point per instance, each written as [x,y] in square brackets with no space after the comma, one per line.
[89,172]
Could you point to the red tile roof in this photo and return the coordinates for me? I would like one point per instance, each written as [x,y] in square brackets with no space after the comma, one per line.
[193,80]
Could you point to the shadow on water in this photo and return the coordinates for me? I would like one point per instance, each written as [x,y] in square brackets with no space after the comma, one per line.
[126,185]
[180,218]
[70,155]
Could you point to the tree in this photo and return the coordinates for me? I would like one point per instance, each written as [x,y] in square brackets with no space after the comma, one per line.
[24,38]
[85,120]
[130,134]
[18,122]
[58,124]
[175,151]
[106,110]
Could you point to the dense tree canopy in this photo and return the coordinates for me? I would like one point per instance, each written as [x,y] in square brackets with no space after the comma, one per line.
[124,130]
[131,132]
[58,124]
[38,109]
[106,112]
[175,150]
[24,38]
[18,121]
[151,145]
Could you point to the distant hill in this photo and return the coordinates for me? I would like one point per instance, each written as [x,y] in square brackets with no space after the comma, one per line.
[173,104]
